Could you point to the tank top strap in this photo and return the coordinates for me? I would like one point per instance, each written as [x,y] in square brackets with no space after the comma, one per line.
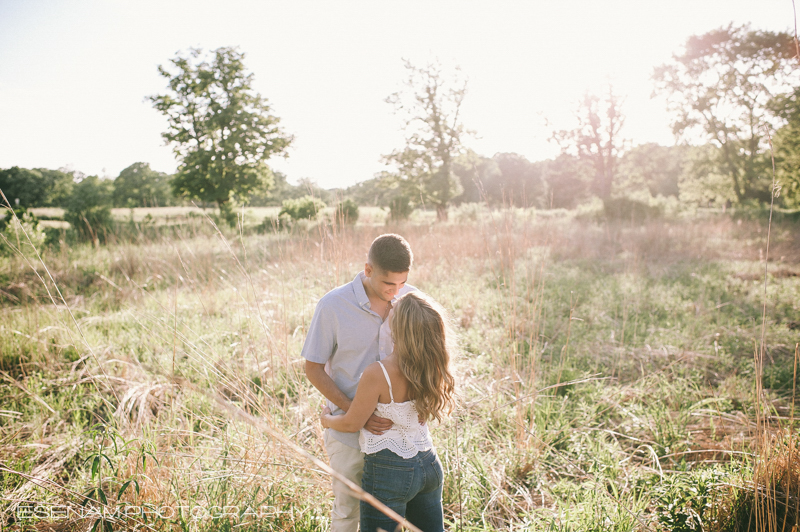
[385,374]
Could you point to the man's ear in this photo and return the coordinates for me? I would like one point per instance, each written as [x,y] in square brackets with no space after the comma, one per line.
[368,269]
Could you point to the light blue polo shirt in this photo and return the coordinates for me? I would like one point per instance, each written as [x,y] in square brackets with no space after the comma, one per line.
[347,336]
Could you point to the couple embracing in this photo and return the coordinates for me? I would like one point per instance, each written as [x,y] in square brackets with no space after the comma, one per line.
[377,349]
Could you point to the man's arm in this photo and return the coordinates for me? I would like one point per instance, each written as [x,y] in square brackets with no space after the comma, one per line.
[363,405]
[323,382]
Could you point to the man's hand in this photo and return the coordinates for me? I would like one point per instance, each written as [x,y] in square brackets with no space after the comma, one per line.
[378,425]
[325,412]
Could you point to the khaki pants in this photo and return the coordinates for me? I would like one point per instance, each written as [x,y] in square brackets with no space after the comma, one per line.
[350,463]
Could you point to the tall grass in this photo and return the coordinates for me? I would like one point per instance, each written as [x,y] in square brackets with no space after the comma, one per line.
[606,371]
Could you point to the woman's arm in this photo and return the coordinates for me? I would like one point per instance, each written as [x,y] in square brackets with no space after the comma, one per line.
[369,390]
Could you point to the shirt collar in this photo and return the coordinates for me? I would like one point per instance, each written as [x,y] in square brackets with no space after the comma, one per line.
[358,290]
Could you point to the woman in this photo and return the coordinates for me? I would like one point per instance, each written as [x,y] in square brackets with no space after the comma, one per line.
[411,386]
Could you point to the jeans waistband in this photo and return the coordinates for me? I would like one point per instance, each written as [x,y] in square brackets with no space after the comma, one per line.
[386,455]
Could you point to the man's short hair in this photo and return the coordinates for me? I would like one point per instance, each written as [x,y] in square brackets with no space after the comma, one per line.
[390,253]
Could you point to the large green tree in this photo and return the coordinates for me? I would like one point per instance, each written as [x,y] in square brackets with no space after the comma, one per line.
[140,186]
[221,130]
[430,105]
[719,90]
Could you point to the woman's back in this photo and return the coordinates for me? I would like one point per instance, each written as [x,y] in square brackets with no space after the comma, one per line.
[397,380]
[407,436]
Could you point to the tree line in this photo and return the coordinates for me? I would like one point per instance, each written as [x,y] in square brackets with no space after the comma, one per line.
[733,95]
[138,185]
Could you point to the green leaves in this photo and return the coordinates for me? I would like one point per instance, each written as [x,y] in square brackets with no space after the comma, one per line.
[140,186]
[88,209]
[222,131]
[346,212]
[305,208]
[719,90]
[125,486]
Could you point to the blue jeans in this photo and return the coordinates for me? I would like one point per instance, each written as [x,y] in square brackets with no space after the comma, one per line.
[411,487]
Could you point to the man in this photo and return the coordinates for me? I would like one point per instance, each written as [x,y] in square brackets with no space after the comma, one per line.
[350,331]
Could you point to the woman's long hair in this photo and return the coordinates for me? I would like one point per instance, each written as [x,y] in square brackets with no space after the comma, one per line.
[420,332]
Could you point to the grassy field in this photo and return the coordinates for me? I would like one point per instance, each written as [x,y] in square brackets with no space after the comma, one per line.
[175,215]
[612,377]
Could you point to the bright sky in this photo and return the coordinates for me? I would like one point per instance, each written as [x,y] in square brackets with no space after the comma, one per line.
[74,73]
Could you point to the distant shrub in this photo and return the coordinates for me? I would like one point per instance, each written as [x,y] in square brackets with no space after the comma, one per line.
[19,232]
[346,212]
[305,208]
[400,209]
[470,212]
[88,209]
[6,216]
[55,236]
[91,223]
[626,209]
[273,224]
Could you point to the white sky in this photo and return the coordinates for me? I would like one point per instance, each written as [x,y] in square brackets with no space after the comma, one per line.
[74,74]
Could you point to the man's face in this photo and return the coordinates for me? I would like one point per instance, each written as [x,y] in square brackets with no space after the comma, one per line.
[383,284]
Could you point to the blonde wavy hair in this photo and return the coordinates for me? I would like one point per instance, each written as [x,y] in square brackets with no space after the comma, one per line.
[421,332]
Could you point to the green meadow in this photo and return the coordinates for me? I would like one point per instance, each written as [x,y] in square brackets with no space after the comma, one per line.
[612,376]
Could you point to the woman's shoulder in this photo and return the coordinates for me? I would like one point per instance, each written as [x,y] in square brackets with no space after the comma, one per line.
[373,370]
[374,373]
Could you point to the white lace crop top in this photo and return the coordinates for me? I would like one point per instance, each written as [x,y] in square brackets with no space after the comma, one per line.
[407,436]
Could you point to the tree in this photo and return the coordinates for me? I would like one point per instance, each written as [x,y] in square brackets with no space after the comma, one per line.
[24,186]
[59,185]
[518,183]
[476,174]
[140,186]
[369,192]
[35,188]
[568,181]
[430,105]
[701,182]
[652,169]
[787,148]
[221,130]
[719,89]
[597,138]
[281,189]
